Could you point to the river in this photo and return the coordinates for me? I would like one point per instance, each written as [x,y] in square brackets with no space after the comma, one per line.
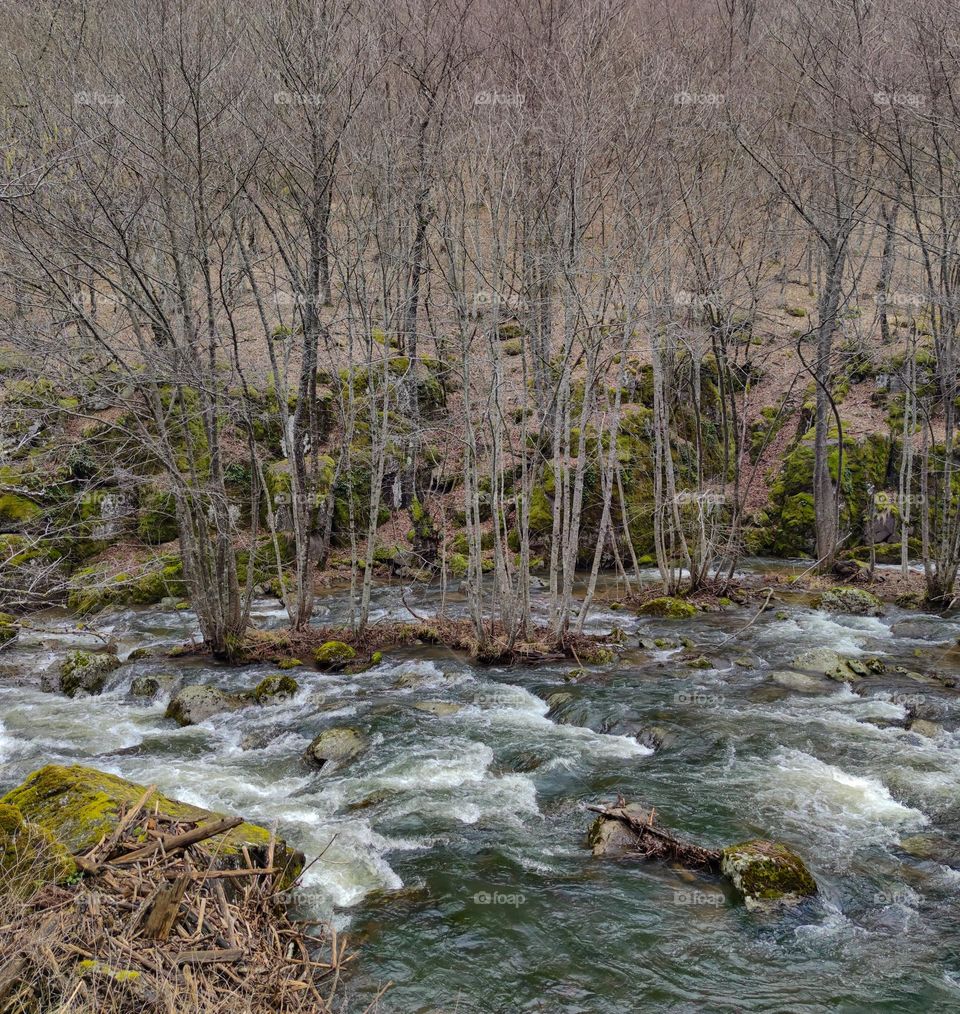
[453,847]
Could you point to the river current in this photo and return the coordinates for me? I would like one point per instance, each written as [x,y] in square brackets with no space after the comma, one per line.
[453,848]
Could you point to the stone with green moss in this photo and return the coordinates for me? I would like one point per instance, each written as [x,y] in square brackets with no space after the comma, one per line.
[333,655]
[78,806]
[197,703]
[157,518]
[152,685]
[289,663]
[541,512]
[29,855]
[8,628]
[855,601]
[459,565]
[275,688]
[85,672]
[16,510]
[669,607]
[767,874]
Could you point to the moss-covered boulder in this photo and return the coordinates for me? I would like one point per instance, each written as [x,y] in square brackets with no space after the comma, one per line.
[855,601]
[157,518]
[669,608]
[333,655]
[275,688]
[335,746]
[197,703]
[86,672]
[77,806]
[8,628]
[767,874]
[29,855]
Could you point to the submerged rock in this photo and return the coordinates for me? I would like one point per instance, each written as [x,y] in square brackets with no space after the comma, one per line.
[800,682]
[333,655]
[77,806]
[153,684]
[767,874]
[924,728]
[195,704]
[335,746]
[440,708]
[855,601]
[86,672]
[668,607]
[832,664]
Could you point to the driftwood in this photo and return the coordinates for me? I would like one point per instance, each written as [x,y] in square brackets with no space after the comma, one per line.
[655,843]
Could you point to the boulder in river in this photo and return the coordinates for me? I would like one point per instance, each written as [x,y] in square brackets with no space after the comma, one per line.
[85,672]
[668,607]
[613,837]
[197,703]
[276,688]
[153,684]
[78,806]
[335,746]
[827,662]
[333,655]
[924,728]
[440,708]
[767,874]
[854,601]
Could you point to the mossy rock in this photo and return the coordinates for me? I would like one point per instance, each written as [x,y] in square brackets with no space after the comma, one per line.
[197,703]
[541,512]
[335,746]
[333,655]
[289,663]
[767,874]
[86,672]
[669,608]
[157,518]
[29,855]
[16,510]
[854,601]
[459,565]
[78,806]
[8,628]
[276,688]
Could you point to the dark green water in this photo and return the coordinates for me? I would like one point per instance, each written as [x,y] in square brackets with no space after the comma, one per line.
[454,846]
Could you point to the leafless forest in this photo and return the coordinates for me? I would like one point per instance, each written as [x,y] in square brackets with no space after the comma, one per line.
[465,290]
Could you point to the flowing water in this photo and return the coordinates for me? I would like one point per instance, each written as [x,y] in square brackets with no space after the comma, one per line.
[452,850]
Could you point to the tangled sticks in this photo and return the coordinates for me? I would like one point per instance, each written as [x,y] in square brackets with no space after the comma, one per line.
[157,925]
[652,842]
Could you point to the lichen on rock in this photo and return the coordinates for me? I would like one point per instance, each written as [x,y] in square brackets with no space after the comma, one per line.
[767,874]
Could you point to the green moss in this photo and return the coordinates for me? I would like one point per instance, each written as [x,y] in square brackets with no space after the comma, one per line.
[541,512]
[333,655]
[79,805]
[289,663]
[844,599]
[795,311]
[513,347]
[459,565]
[91,590]
[765,871]
[157,518]
[668,607]
[8,628]
[86,671]
[276,687]
[17,510]
[29,855]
